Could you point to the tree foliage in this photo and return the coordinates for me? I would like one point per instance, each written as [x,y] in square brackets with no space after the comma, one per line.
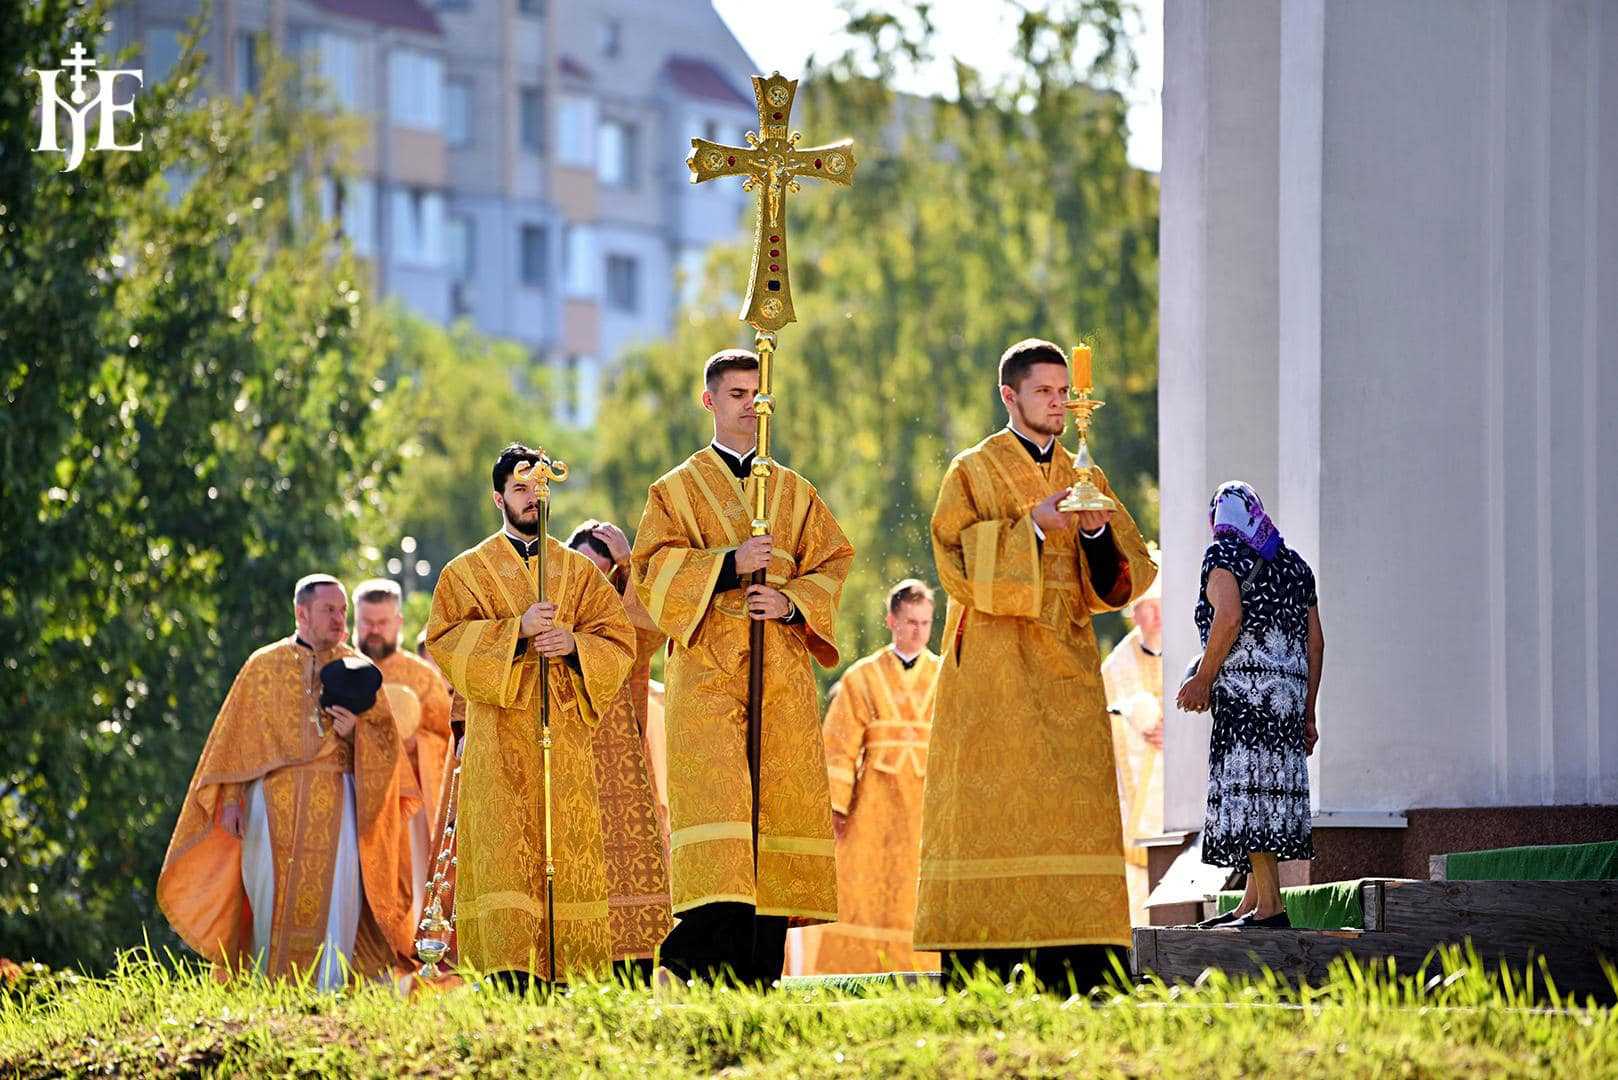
[190,376]
[455,399]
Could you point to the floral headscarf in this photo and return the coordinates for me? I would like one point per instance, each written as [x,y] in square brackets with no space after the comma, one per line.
[1237,511]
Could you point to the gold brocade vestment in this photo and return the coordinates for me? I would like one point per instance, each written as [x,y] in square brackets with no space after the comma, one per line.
[876,733]
[500,825]
[1134,682]
[1021,844]
[694,515]
[632,827]
[431,754]
[269,728]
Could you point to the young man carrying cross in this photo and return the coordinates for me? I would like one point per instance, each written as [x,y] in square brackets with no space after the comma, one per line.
[691,562]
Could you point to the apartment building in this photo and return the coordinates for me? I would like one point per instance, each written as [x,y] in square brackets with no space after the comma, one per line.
[523,165]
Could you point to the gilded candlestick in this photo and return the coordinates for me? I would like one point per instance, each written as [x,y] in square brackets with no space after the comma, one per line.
[1084,494]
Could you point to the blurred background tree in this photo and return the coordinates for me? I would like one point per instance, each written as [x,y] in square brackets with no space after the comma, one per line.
[456,398]
[192,375]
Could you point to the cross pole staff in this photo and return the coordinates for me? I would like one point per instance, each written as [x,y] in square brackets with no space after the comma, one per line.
[771,163]
[541,473]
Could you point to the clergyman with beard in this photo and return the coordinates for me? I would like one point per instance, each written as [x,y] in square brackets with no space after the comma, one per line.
[289,852]
[487,631]
[425,729]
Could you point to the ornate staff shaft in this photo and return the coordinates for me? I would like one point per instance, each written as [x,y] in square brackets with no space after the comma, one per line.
[771,164]
[541,474]
[758,488]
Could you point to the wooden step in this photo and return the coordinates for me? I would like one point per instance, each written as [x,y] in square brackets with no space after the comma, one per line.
[1571,924]
[1181,954]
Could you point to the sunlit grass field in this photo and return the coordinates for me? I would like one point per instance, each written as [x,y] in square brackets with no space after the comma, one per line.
[155,1019]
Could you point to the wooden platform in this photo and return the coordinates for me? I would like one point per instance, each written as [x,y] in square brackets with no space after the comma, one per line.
[1572,924]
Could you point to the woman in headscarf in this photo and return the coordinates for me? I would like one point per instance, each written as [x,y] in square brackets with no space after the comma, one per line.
[1259,673]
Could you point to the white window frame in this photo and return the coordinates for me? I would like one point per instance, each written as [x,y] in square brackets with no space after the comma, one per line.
[415,89]
[337,61]
[460,107]
[461,246]
[616,159]
[416,227]
[576,131]
[581,264]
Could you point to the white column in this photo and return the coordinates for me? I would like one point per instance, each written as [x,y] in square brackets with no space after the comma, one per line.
[1217,383]
[1446,306]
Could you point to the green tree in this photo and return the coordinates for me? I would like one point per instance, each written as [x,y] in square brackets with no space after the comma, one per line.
[190,374]
[456,398]
[1007,212]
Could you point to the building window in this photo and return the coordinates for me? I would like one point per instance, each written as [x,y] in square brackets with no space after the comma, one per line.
[531,255]
[358,215]
[531,119]
[416,89]
[581,271]
[576,131]
[710,130]
[579,399]
[623,283]
[454,5]
[416,221]
[351,203]
[531,7]
[162,52]
[615,153]
[612,37]
[458,112]
[460,246]
[247,70]
[337,63]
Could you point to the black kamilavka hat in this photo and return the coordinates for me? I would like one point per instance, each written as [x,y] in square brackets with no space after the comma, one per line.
[350,681]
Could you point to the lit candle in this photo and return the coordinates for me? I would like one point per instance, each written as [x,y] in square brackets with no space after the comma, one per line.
[1081,368]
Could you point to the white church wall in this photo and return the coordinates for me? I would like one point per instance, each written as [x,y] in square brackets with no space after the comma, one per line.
[1218,381]
[1444,451]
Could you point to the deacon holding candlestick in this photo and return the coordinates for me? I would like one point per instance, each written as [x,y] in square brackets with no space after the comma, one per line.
[1021,850]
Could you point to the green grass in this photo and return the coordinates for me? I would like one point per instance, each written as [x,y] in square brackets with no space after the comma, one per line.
[149,1018]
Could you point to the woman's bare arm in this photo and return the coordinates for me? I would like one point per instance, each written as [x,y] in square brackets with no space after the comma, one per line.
[1317,660]
[1226,597]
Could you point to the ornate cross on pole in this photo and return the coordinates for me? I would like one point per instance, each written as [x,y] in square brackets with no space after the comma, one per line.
[771,164]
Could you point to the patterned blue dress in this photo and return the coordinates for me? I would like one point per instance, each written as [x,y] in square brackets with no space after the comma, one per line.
[1258,767]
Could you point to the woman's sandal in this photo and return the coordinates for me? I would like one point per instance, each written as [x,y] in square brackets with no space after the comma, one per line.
[1251,921]
[1220,920]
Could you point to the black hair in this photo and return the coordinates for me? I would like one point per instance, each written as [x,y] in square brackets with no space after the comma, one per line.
[726,360]
[584,537]
[908,591]
[506,464]
[1019,359]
